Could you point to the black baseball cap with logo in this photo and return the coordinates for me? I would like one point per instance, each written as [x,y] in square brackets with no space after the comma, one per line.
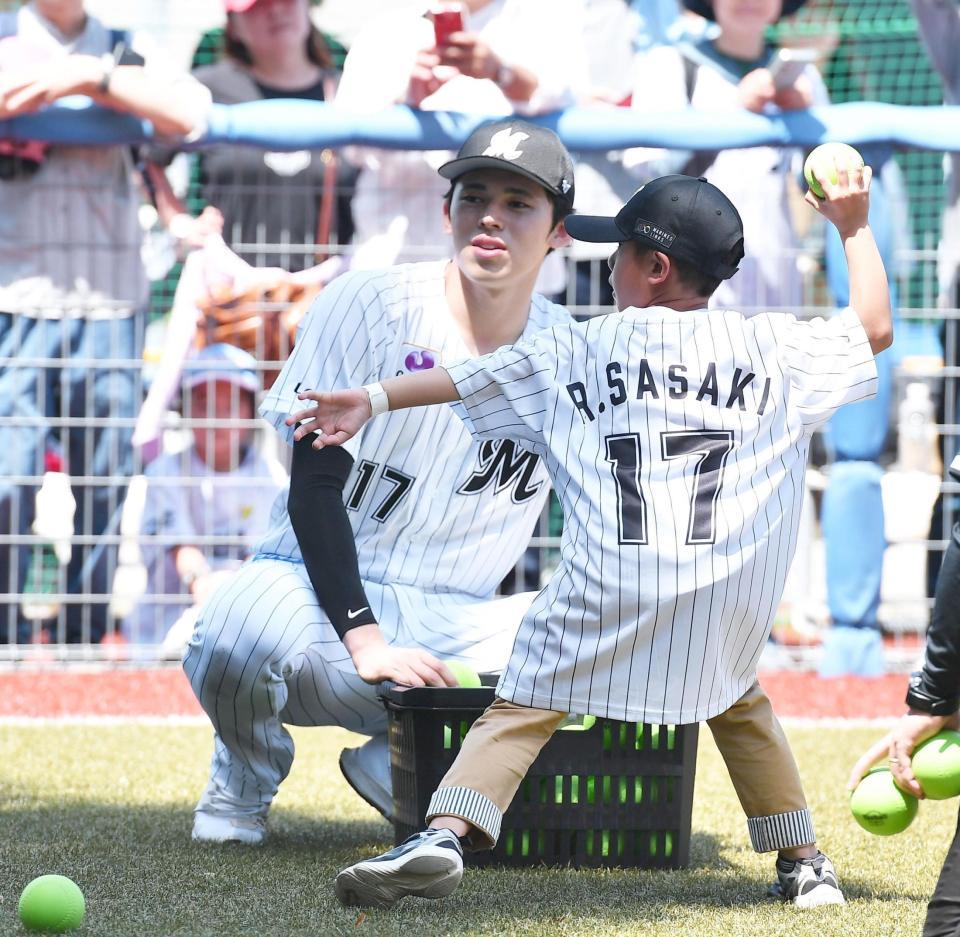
[686,218]
[517,146]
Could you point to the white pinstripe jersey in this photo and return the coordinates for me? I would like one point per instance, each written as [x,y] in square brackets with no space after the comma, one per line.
[677,443]
[430,507]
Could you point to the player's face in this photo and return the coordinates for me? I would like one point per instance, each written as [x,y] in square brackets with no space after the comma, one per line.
[628,278]
[220,446]
[502,225]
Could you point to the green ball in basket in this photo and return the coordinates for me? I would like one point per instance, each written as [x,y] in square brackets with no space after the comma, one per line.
[827,160]
[879,806]
[936,765]
[53,904]
[465,674]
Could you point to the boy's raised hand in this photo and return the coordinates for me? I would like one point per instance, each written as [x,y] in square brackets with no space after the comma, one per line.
[847,201]
[335,417]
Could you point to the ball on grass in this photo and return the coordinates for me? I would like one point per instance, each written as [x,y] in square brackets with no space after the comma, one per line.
[465,674]
[827,160]
[936,764]
[52,903]
[880,807]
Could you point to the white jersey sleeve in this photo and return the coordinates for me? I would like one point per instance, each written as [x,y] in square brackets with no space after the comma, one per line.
[829,364]
[511,393]
[340,344]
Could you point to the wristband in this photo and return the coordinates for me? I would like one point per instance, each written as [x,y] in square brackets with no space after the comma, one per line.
[379,401]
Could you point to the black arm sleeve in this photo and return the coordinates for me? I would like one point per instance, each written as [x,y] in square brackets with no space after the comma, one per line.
[323,531]
[936,688]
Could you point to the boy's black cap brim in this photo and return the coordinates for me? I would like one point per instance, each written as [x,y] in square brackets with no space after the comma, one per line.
[596,229]
[459,167]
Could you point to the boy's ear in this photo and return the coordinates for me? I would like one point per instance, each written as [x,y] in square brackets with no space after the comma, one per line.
[660,266]
[559,237]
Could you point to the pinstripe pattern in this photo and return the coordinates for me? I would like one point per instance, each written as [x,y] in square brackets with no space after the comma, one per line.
[647,623]
[264,653]
[468,805]
[781,831]
[434,538]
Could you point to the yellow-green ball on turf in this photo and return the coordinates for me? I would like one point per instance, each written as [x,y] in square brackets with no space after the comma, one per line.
[465,674]
[827,160]
[52,903]
[880,807]
[936,765]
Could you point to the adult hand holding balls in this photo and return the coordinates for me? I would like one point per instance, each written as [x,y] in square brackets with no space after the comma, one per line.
[53,904]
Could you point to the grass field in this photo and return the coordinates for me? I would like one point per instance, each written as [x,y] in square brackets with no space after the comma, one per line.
[109,805]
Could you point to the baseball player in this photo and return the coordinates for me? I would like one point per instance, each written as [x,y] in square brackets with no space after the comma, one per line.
[676,439]
[383,560]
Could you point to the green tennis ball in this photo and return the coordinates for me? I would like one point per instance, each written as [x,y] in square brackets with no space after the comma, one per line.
[465,674]
[880,807]
[52,903]
[936,764]
[582,724]
[828,159]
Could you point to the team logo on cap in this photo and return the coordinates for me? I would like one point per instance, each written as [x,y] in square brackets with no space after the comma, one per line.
[565,186]
[655,233]
[504,143]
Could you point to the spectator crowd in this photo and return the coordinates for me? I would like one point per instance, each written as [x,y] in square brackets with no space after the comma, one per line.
[78,325]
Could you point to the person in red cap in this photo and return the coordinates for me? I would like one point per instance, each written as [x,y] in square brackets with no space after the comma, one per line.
[283,207]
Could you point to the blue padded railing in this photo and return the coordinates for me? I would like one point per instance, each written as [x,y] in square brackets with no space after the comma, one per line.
[296,125]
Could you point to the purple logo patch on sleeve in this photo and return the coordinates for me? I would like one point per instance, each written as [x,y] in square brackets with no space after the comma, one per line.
[419,361]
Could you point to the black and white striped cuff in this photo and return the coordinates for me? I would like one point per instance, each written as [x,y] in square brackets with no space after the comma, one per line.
[781,831]
[469,805]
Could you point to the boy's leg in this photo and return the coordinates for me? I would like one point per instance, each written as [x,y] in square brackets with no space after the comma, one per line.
[469,803]
[496,754]
[765,777]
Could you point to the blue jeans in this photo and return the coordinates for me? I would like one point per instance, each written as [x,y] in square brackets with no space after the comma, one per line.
[49,373]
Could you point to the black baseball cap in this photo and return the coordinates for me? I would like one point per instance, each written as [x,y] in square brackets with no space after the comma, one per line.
[517,146]
[686,218]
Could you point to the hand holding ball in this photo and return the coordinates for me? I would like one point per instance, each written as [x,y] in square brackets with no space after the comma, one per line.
[52,903]
[827,160]
[936,765]
[880,807]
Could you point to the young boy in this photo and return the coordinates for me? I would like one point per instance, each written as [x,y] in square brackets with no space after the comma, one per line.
[676,439]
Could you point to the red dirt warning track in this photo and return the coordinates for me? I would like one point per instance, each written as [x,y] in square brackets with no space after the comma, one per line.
[160,692]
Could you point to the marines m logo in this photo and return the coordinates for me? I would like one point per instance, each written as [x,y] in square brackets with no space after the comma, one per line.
[504,143]
[503,463]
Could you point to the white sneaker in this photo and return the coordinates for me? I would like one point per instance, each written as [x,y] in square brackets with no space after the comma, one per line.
[221,828]
[367,770]
[425,865]
[809,883]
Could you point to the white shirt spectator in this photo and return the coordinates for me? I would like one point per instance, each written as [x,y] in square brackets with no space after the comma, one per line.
[396,206]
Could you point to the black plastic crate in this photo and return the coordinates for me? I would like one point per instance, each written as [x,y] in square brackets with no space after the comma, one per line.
[617,794]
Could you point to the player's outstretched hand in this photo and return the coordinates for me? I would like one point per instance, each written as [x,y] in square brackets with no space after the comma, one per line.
[897,746]
[846,201]
[335,417]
